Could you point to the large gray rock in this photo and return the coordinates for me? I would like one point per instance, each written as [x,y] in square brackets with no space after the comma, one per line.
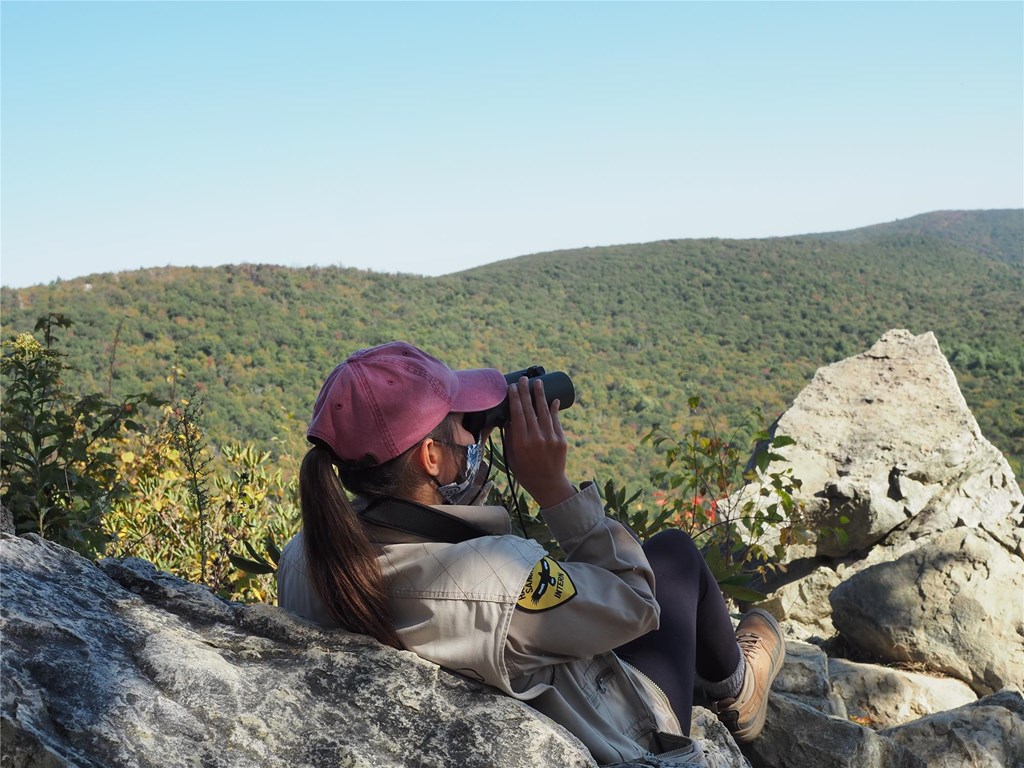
[953,605]
[802,604]
[883,696]
[707,729]
[886,439]
[988,733]
[805,678]
[120,665]
[799,736]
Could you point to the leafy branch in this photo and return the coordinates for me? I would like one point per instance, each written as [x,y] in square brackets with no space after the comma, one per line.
[196,462]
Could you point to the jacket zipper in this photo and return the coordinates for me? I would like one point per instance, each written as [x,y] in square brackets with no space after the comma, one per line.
[664,696]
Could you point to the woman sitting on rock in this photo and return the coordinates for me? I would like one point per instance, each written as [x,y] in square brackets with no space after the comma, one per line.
[417,563]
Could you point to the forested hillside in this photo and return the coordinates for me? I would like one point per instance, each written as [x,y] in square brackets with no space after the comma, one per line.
[745,323]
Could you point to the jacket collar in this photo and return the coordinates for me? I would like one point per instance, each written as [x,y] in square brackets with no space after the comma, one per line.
[398,521]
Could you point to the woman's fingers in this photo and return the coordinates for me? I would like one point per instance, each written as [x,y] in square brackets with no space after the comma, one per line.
[517,418]
[540,411]
[535,443]
[526,397]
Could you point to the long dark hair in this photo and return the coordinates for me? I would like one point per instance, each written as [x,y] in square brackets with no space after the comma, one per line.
[340,558]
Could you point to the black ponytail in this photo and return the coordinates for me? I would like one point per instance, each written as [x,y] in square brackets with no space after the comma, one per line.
[340,558]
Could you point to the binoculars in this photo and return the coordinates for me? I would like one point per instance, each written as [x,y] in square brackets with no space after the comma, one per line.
[557,386]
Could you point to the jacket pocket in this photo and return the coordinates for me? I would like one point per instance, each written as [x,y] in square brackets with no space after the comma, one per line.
[597,686]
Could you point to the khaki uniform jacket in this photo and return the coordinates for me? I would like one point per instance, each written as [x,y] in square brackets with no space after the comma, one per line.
[498,610]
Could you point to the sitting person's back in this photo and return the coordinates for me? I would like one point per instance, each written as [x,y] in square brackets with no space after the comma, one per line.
[418,564]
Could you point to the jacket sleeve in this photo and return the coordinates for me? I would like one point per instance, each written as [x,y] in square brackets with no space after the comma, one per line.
[599,597]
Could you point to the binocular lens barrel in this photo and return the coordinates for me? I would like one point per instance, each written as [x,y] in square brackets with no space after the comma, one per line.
[557,386]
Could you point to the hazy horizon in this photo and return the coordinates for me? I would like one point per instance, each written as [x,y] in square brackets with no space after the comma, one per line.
[482,264]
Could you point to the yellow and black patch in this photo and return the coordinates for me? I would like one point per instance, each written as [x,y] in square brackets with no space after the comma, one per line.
[547,587]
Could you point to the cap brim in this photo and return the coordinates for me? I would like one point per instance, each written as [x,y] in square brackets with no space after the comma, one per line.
[479,389]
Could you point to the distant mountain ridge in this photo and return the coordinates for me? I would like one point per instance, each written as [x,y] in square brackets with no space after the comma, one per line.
[640,328]
[997,233]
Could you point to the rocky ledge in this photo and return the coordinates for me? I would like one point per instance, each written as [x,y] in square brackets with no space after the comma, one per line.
[893,635]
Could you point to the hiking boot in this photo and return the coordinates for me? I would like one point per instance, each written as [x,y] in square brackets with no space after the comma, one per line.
[763,648]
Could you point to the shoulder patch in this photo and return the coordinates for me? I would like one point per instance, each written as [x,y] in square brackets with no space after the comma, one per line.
[547,586]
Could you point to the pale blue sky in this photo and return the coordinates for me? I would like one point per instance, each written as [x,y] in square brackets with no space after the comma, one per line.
[431,137]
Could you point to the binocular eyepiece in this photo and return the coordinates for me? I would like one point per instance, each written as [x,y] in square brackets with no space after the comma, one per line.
[557,386]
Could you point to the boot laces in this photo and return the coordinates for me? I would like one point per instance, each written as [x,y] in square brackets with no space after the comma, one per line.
[751,644]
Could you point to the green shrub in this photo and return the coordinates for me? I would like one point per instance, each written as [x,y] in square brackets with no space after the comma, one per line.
[742,513]
[190,521]
[59,470]
[87,473]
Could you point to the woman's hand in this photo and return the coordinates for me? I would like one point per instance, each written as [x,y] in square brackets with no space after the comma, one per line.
[535,444]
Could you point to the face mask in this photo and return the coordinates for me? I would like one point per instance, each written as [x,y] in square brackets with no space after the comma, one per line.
[453,492]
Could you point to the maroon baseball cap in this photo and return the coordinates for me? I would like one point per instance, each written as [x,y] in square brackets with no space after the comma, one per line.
[383,400]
